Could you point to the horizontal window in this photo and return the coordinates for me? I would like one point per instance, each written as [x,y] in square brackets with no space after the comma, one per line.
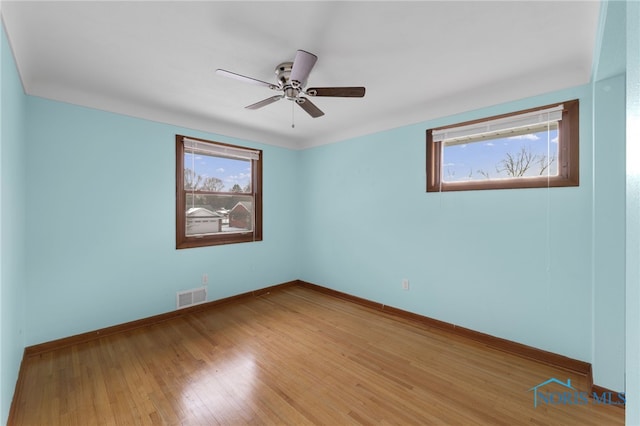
[526,149]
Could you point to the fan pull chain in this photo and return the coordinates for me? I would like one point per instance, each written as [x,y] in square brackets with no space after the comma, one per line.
[292,109]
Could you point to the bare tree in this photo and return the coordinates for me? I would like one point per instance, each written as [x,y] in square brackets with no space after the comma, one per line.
[545,163]
[212,184]
[518,164]
[451,174]
[192,180]
[483,173]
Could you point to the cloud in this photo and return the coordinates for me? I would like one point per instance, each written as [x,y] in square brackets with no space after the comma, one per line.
[489,144]
[555,140]
[239,178]
[528,136]
[220,170]
[449,164]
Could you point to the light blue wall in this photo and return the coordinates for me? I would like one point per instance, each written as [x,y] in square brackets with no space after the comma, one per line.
[609,201]
[511,263]
[12,225]
[101,215]
[632,374]
[609,233]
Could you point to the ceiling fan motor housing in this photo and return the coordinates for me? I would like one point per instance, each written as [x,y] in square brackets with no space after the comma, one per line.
[283,72]
[290,89]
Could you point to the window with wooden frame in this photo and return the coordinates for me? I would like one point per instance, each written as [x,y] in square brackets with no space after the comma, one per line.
[534,148]
[218,193]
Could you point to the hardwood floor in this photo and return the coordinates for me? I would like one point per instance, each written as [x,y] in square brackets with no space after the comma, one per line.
[293,356]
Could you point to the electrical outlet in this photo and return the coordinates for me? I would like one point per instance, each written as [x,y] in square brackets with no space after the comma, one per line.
[405,284]
[205,279]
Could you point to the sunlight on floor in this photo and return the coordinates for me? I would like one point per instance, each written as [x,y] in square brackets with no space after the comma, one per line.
[237,376]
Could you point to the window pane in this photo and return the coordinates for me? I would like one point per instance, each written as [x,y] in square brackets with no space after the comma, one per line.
[527,155]
[217,174]
[210,214]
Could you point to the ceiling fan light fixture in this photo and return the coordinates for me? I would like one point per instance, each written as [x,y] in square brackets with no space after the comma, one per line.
[283,71]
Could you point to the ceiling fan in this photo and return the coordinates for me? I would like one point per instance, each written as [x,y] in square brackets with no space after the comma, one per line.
[292,81]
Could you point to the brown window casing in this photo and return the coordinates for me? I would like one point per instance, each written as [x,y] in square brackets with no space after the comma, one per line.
[184,241]
[568,157]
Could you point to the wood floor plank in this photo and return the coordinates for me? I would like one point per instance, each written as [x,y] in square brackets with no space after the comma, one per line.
[293,356]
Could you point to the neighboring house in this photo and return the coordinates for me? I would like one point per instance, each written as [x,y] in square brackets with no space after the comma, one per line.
[203,221]
[240,215]
[225,216]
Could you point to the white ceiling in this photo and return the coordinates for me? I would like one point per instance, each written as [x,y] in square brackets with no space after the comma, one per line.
[419,60]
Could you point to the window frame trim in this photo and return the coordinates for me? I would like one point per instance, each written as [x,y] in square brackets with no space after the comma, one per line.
[182,240]
[568,156]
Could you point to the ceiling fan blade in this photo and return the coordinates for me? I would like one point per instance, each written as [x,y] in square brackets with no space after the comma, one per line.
[308,106]
[345,92]
[302,65]
[245,79]
[264,102]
